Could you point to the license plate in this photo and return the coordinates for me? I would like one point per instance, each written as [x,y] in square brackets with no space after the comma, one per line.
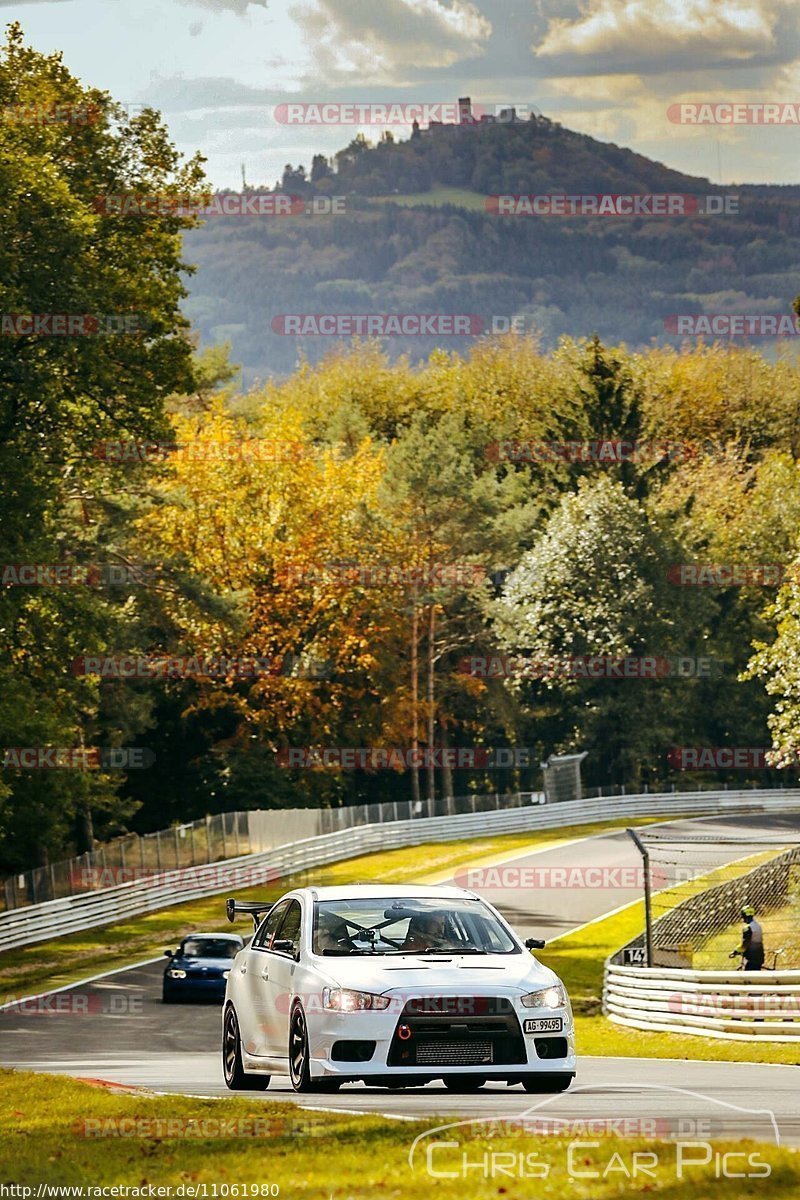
[545,1025]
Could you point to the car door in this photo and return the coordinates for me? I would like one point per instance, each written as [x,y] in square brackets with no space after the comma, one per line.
[278,979]
[251,989]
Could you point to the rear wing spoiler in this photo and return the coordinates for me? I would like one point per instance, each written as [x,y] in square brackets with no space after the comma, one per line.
[256,909]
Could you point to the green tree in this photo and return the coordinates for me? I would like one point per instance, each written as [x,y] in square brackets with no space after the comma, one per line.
[65,251]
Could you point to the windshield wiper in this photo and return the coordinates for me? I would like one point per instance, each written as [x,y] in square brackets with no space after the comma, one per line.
[450,950]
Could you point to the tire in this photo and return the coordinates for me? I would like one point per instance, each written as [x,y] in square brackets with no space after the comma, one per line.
[463,1083]
[547,1084]
[167,998]
[299,1065]
[236,1078]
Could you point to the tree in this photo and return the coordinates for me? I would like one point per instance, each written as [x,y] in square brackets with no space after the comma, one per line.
[596,584]
[67,251]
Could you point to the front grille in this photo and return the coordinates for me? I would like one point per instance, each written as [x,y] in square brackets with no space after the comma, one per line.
[454,1054]
[457,1031]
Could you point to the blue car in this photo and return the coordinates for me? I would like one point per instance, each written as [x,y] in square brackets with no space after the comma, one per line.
[199,968]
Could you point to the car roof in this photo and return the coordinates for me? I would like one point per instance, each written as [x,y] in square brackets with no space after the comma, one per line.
[385,891]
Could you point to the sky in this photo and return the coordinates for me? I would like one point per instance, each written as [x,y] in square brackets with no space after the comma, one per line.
[217,69]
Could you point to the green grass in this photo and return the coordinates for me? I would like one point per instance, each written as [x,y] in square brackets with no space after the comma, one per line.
[781,931]
[436,197]
[316,1156]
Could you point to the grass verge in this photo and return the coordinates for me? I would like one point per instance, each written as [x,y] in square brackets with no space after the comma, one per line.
[174,1142]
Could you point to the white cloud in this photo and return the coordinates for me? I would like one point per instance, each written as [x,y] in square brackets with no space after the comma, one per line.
[673,34]
[379,39]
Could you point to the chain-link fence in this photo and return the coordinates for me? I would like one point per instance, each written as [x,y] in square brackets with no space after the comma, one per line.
[129,858]
[699,887]
[224,836]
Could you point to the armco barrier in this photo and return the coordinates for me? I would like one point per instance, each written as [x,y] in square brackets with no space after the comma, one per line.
[735,1005]
[55,918]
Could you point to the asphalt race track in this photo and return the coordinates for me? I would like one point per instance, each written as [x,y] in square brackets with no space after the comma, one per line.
[117,1029]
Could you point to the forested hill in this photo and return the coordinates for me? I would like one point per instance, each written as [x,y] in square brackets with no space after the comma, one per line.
[534,155]
[417,236]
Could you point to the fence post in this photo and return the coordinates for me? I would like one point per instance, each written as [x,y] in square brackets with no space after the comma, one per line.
[236,831]
[224,842]
[648,908]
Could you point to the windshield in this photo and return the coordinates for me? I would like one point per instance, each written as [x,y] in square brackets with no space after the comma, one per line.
[209,948]
[387,926]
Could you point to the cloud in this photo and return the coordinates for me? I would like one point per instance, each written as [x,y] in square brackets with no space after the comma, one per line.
[380,39]
[239,7]
[631,35]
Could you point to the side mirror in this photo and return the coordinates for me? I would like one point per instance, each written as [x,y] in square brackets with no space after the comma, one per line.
[169,953]
[535,944]
[284,945]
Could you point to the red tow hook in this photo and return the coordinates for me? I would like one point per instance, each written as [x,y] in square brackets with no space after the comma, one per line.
[403,1032]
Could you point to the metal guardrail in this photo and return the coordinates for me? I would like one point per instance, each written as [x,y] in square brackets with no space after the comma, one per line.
[223,837]
[56,918]
[735,1005]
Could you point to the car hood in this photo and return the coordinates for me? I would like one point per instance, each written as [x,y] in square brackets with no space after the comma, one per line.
[189,964]
[432,974]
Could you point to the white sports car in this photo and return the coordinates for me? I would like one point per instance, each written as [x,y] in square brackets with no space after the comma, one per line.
[395,986]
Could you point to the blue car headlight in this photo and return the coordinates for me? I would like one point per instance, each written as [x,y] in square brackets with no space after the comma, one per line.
[175,973]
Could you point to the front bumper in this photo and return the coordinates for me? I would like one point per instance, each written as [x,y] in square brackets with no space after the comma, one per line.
[489,1043]
[195,989]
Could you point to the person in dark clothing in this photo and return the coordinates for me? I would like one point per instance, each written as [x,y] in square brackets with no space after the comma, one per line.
[752,947]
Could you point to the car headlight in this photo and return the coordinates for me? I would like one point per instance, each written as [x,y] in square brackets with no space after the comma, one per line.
[225,974]
[345,1000]
[552,997]
[174,973]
